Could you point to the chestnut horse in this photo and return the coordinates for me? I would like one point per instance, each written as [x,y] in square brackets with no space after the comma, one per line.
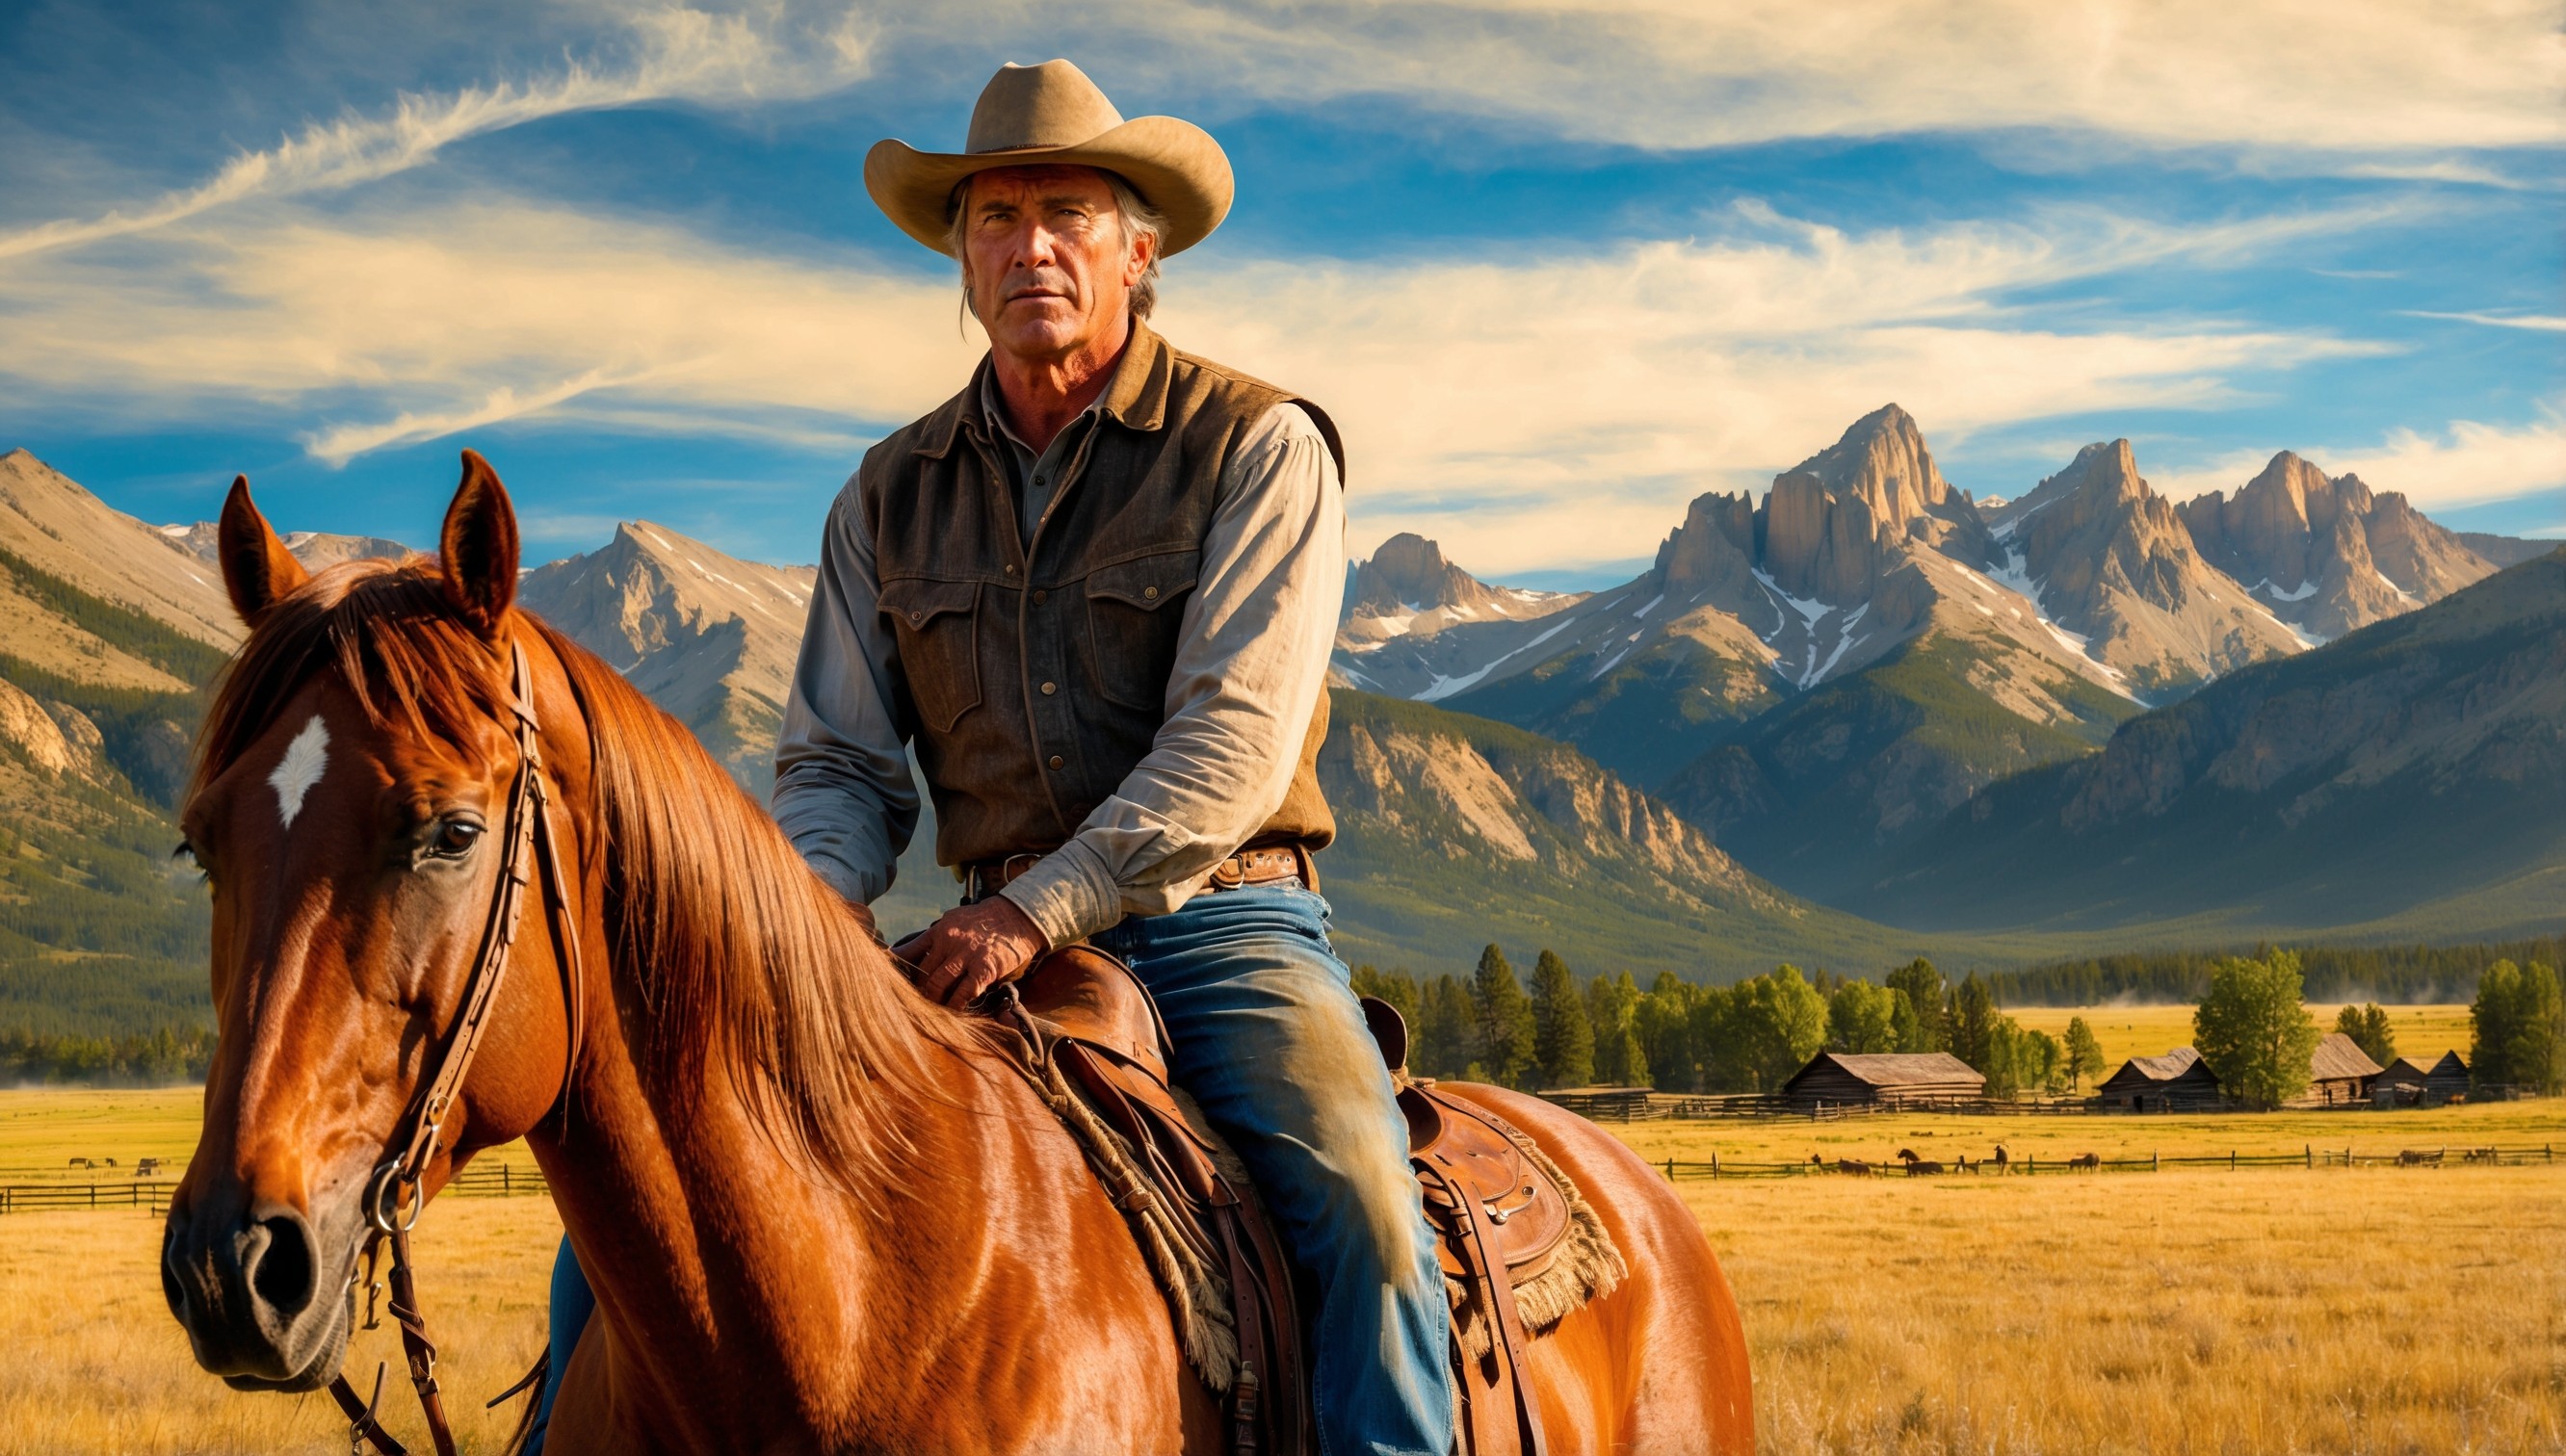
[820,1212]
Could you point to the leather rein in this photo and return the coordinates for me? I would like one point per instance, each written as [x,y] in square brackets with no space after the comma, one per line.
[393,1196]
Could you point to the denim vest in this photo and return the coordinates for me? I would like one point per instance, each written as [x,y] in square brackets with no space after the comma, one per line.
[1091,606]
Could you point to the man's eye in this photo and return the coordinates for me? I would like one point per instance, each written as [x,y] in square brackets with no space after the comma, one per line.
[452,838]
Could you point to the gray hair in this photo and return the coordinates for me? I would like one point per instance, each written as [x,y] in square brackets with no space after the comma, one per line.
[1131,213]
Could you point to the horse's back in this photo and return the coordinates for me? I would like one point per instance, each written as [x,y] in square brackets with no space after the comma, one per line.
[1660,1363]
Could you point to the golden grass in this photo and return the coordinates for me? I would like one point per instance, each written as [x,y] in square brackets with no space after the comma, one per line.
[2151,1031]
[2360,1310]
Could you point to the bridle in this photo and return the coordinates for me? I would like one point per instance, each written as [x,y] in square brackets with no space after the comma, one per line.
[393,1196]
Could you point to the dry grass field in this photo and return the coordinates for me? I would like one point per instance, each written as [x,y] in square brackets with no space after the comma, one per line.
[2264,1311]
[2151,1031]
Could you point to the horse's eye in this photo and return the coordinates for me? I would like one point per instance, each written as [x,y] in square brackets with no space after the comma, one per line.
[453,839]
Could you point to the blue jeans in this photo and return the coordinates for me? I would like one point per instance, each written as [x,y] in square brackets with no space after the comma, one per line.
[1270,1042]
[1269,1039]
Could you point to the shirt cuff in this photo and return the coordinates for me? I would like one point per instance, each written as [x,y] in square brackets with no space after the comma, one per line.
[1069,895]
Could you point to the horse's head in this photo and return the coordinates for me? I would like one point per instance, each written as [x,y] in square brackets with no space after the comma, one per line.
[347,805]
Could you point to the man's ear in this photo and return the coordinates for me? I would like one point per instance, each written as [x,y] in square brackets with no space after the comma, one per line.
[258,570]
[478,548]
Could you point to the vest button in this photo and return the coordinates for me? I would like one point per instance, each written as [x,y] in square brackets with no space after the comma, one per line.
[1049,688]
[1148,594]
[917,617]
[1058,762]
[1041,596]
[1011,568]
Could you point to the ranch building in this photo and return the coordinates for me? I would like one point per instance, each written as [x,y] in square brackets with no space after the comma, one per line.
[1885,1078]
[2179,1081]
[2339,1074]
[2417,1081]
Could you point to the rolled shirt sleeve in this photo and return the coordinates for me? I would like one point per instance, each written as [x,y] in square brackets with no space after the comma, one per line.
[843,790]
[1251,662]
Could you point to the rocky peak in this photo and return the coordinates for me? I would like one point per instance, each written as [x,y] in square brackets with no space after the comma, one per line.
[1829,520]
[1712,552]
[1409,574]
[317,550]
[2327,554]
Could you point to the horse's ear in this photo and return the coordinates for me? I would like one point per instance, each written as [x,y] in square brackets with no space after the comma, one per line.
[258,570]
[478,548]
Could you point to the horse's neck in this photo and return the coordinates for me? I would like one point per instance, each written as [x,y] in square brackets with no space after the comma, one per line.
[717,1257]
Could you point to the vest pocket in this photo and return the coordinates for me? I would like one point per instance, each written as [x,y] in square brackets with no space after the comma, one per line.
[938,646]
[1133,623]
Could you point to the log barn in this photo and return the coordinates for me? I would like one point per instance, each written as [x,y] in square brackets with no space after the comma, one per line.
[2421,1081]
[2178,1080]
[1883,1079]
[2339,1074]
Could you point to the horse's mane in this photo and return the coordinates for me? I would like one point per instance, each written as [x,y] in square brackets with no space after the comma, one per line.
[713,918]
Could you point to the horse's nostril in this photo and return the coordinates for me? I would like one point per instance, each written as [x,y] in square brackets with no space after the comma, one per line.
[282,1276]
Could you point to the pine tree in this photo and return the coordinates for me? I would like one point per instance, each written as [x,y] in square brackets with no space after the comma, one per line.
[1563,1039]
[1611,1009]
[1927,1005]
[1974,1024]
[1504,1020]
[1445,1029]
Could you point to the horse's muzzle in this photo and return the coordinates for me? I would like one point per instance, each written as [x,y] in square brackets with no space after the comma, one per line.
[253,1285]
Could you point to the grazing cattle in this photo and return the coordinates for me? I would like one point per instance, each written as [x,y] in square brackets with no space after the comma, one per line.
[82,1163]
[1850,1167]
[1917,1167]
[145,1167]
[2090,1160]
[2415,1158]
[2478,1155]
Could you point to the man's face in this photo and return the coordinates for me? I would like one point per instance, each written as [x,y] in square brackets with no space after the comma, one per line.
[1044,256]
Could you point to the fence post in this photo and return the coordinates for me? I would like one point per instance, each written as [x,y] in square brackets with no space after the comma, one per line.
[1671,1170]
[2232,1159]
[1714,1167]
[505,1188]
[2153,1166]
[2312,1154]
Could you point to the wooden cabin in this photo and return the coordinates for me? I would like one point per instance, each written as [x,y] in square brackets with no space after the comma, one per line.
[2339,1074]
[2179,1081]
[2421,1081]
[1885,1078]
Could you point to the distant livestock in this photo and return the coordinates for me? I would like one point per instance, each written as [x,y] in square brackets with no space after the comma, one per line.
[1917,1167]
[2092,1162]
[2415,1158]
[1850,1167]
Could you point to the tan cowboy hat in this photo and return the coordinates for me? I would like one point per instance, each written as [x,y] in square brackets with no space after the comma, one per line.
[1051,114]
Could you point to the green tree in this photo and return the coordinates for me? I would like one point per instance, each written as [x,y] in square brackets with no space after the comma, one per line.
[1773,1025]
[2253,1031]
[1396,987]
[1612,1006]
[1563,1039]
[2369,1029]
[1663,1023]
[1926,1027]
[1861,1017]
[1505,1017]
[1974,1024]
[2083,1055]
[1446,1028]
[2519,1026]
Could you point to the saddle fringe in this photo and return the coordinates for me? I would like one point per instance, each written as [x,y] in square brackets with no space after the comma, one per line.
[1198,1294]
[1586,1266]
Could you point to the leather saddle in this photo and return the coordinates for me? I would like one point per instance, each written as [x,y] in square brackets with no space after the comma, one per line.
[1502,1218]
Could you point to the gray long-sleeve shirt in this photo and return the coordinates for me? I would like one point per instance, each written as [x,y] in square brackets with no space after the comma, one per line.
[1251,662]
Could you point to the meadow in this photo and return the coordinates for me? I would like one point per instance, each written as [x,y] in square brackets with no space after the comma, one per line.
[2268,1311]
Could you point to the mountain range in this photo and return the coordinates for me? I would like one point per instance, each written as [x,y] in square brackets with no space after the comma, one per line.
[2073,718]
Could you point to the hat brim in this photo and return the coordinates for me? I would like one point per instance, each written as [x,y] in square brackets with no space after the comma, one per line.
[1173,165]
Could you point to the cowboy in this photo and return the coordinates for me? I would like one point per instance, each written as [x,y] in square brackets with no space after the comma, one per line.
[1095,592]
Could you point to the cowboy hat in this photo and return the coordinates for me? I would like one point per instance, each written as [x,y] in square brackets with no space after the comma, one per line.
[1051,114]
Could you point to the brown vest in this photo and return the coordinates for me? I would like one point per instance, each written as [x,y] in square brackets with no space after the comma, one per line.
[1091,606]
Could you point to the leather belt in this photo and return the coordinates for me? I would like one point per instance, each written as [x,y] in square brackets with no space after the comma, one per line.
[1258,865]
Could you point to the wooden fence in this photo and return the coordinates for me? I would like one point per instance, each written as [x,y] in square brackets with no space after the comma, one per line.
[152,1195]
[2309,1157]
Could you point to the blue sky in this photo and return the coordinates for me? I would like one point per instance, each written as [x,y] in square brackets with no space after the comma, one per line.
[1556,269]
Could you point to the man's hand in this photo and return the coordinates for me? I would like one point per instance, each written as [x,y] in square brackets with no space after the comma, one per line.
[971,949]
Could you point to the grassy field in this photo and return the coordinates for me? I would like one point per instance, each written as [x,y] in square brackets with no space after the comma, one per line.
[2336,1310]
[2151,1031]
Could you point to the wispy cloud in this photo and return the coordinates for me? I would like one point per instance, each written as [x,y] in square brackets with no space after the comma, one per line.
[2544,323]
[2316,74]
[678,54]
[2466,463]
[341,443]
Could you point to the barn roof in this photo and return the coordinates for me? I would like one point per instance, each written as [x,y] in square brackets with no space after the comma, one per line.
[2339,1058]
[2167,1068]
[1895,1069]
[2447,1063]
